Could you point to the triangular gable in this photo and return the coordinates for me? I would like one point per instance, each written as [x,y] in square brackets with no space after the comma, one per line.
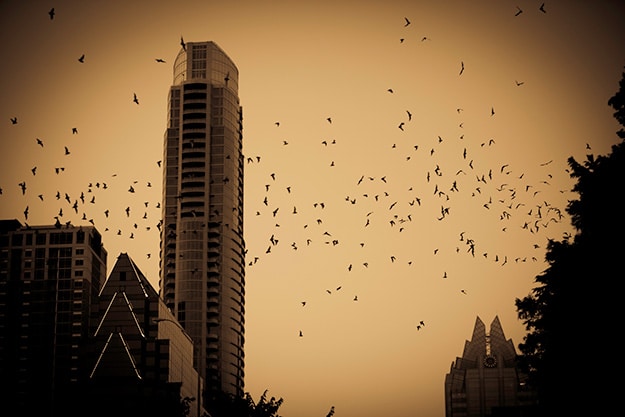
[108,362]
[125,272]
[474,349]
[498,342]
[494,342]
[123,300]
[118,301]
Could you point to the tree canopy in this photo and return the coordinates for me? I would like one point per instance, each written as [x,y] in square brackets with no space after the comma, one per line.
[572,315]
[225,405]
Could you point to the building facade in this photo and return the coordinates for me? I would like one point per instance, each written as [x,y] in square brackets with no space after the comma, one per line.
[49,279]
[75,342]
[202,263]
[141,359]
[485,381]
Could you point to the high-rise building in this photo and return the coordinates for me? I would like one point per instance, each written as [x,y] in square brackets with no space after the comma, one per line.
[486,381]
[202,263]
[49,278]
[75,342]
[141,359]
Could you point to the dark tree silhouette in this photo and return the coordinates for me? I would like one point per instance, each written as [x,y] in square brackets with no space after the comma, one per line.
[573,316]
[225,405]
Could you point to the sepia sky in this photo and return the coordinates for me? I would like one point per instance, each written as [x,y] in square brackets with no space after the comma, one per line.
[430,196]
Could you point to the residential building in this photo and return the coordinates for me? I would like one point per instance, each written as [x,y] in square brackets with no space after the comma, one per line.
[485,381]
[49,278]
[202,263]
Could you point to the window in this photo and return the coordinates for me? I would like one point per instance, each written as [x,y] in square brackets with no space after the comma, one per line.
[199,52]
[198,73]
[40,239]
[62,238]
[16,240]
[64,263]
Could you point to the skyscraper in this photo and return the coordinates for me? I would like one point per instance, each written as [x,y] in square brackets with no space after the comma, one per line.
[485,381]
[202,263]
[141,360]
[49,278]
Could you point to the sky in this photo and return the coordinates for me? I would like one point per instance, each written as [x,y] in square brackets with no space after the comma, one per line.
[412,155]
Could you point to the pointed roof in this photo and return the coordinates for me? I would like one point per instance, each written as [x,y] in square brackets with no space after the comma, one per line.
[123,301]
[476,347]
[126,273]
[499,345]
[494,342]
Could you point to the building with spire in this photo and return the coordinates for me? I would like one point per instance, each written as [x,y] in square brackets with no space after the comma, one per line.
[74,342]
[202,262]
[141,359]
[485,381]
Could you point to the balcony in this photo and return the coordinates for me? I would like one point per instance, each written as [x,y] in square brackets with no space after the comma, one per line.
[193,126]
[212,321]
[191,96]
[190,155]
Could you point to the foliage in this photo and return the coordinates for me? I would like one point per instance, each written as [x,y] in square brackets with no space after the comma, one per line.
[185,406]
[570,313]
[225,405]
[618,103]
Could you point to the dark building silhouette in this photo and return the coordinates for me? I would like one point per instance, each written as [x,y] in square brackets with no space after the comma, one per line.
[75,344]
[202,263]
[49,279]
[485,381]
[140,355]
